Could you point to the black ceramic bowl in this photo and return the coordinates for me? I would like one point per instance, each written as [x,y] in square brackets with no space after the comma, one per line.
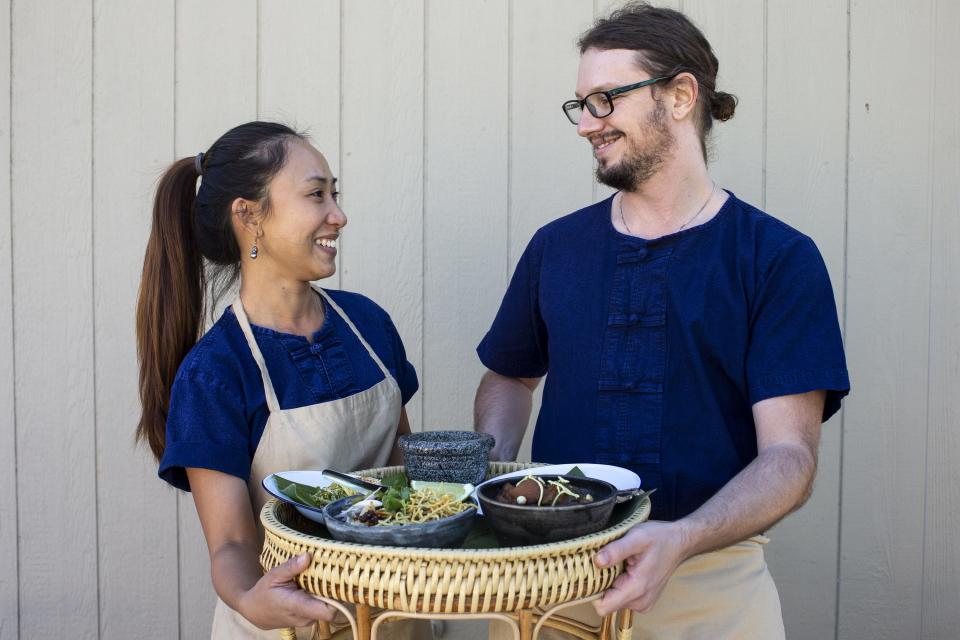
[445,532]
[530,524]
[446,456]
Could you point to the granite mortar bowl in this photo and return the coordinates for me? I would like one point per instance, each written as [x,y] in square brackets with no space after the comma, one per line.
[446,456]
[445,532]
[530,524]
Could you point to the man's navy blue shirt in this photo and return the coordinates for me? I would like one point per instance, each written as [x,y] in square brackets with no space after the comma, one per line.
[218,408]
[656,350]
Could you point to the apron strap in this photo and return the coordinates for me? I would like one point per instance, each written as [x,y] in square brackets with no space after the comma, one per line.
[373,354]
[271,395]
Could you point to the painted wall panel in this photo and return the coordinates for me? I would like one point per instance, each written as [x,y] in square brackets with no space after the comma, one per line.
[9,583]
[53,316]
[888,304]
[137,513]
[941,555]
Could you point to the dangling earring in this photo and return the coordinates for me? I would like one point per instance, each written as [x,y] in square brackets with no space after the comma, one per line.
[253,251]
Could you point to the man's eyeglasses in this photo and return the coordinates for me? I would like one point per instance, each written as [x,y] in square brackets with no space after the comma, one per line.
[600,103]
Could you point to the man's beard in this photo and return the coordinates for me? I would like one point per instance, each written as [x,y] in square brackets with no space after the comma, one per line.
[639,165]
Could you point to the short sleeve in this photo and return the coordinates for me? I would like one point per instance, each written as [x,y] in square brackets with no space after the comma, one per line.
[795,341]
[403,370]
[516,344]
[206,428]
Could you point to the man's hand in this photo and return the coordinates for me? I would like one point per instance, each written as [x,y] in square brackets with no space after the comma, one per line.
[652,552]
[775,483]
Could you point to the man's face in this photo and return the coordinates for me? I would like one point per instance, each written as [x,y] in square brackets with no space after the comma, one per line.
[632,143]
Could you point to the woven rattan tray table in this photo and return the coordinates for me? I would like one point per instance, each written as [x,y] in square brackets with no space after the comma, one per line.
[525,587]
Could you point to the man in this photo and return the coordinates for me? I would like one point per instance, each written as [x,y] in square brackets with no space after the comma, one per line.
[683,333]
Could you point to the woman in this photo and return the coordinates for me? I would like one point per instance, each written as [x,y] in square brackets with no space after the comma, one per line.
[289,377]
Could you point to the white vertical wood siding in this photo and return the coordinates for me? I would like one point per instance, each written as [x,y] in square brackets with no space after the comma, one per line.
[52,247]
[9,551]
[442,120]
[143,129]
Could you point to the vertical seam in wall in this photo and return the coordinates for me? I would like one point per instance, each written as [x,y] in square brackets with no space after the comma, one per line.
[257,81]
[340,252]
[594,185]
[423,213]
[931,106]
[506,265]
[763,133]
[93,312]
[13,333]
[846,287]
[173,155]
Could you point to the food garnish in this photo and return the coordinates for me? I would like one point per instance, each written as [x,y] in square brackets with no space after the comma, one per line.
[402,504]
[316,497]
[534,490]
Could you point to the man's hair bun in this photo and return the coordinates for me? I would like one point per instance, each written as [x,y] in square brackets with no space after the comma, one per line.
[722,105]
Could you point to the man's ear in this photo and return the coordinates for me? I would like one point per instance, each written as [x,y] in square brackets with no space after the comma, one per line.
[685,89]
[247,216]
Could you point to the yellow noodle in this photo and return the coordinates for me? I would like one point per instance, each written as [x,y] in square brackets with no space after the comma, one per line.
[425,505]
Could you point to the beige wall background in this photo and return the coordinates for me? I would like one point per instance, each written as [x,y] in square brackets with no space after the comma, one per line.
[442,119]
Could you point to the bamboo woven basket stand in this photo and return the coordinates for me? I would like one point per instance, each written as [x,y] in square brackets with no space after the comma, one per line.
[525,587]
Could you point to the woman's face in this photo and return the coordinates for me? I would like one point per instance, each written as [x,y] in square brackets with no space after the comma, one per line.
[299,233]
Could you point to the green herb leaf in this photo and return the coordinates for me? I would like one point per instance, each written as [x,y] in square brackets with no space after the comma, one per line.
[396,481]
[316,497]
[575,473]
[392,502]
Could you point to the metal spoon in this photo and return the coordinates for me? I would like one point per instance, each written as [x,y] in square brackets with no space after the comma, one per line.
[353,481]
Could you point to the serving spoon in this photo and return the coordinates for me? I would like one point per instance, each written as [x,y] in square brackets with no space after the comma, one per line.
[353,481]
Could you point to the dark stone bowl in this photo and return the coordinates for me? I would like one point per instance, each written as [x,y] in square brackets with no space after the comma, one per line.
[525,524]
[446,456]
[445,532]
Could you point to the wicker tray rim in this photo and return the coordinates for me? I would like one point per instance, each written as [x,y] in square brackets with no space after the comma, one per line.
[273,525]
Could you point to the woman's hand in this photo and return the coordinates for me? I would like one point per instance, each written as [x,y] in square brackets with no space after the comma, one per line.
[271,601]
[276,602]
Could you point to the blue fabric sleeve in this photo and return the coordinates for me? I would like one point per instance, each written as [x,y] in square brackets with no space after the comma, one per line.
[795,342]
[206,428]
[516,344]
[405,373]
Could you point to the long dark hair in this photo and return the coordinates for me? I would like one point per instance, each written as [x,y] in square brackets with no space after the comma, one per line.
[192,245]
[667,43]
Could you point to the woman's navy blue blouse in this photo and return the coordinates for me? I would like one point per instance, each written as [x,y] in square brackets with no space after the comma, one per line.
[218,408]
[655,351]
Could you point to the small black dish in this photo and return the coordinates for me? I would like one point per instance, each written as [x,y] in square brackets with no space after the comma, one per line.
[529,524]
[442,533]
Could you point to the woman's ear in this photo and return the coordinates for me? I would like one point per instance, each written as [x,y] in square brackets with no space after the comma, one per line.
[685,90]
[247,216]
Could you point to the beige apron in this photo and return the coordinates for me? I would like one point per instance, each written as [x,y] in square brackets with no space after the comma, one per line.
[721,595]
[356,432]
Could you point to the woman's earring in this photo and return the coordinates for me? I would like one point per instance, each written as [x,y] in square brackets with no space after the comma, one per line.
[253,251]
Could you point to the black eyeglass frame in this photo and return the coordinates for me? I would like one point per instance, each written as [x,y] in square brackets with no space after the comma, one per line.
[609,94]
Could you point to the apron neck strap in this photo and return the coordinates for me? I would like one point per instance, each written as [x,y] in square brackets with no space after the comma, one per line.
[271,395]
[346,318]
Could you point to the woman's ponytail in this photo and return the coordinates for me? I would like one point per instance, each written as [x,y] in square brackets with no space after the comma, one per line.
[170,301]
[193,244]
